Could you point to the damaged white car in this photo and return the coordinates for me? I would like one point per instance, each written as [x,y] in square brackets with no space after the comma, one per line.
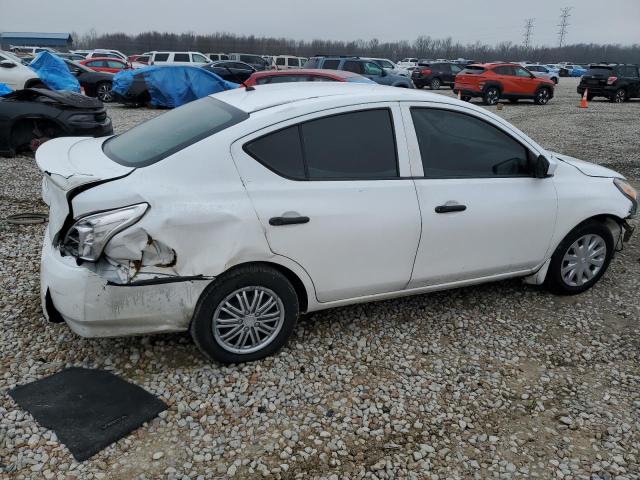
[231,215]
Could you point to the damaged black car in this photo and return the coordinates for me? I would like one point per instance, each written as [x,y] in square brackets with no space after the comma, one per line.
[31,116]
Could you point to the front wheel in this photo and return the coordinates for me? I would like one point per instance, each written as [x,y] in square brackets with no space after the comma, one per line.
[580,259]
[542,96]
[104,93]
[491,96]
[245,315]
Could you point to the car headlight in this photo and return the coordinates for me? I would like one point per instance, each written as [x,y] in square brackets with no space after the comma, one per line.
[87,237]
[628,191]
[82,118]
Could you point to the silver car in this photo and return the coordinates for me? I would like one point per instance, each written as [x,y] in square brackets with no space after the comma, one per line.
[542,71]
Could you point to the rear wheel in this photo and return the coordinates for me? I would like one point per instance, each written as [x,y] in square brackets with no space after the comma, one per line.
[542,96]
[620,96]
[245,315]
[491,96]
[581,259]
[104,93]
[435,84]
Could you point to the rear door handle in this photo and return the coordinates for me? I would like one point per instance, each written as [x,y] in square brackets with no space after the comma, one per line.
[450,208]
[278,221]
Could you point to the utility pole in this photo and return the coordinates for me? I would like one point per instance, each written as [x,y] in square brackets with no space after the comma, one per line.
[528,33]
[564,23]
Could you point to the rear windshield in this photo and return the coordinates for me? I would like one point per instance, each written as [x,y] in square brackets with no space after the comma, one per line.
[599,71]
[472,70]
[170,132]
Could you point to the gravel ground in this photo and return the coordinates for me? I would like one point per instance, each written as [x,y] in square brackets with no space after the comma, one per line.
[496,381]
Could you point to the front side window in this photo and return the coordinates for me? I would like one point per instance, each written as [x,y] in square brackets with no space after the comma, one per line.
[280,61]
[197,58]
[521,72]
[114,64]
[161,57]
[166,134]
[371,68]
[457,145]
[355,145]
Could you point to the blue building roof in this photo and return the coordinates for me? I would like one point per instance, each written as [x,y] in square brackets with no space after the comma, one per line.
[35,38]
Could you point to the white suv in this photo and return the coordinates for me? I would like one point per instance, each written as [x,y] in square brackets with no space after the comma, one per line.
[178,58]
[232,214]
[15,74]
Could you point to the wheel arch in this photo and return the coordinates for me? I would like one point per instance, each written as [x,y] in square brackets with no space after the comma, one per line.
[298,285]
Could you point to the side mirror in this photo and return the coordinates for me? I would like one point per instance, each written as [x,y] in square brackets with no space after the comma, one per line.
[7,64]
[541,167]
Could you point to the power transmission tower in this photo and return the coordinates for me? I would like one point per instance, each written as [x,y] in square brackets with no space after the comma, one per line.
[528,33]
[564,23]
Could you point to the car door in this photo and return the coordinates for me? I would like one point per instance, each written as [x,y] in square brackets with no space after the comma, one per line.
[374,72]
[334,193]
[455,70]
[633,79]
[11,73]
[483,212]
[527,82]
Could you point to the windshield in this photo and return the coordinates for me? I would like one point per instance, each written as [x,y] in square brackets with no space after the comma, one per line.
[170,132]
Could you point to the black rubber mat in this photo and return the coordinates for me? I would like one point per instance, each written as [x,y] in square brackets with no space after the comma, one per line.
[88,409]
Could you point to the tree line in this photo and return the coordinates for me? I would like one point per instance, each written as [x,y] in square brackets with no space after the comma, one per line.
[421,47]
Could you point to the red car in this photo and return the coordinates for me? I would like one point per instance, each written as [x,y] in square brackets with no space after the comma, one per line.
[304,75]
[138,59]
[493,81]
[111,65]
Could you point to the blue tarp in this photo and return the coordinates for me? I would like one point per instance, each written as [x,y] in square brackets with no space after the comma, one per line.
[4,89]
[54,72]
[172,86]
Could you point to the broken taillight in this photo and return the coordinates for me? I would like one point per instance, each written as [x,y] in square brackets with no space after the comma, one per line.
[611,80]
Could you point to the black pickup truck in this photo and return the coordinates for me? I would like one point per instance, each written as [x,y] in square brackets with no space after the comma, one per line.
[617,82]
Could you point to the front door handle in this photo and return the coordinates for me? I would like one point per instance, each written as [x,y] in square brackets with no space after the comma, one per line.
[278,221]
[450,208]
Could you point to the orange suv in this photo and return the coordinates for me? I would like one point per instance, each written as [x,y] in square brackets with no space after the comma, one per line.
[493,81]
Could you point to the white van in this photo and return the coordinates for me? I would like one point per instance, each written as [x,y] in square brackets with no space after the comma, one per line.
[177,58]
[285,62]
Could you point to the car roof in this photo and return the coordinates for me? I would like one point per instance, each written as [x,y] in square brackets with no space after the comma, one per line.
[93,59]
[268,96]
[308,71]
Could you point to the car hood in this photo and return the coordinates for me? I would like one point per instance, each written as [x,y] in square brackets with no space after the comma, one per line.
[588,168]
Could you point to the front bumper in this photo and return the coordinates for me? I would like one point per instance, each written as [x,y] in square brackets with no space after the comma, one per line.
[94,307]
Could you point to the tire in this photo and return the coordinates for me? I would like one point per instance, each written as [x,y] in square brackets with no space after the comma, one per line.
[104,93]
[465,98]
[542,96]
[554,80]
[435,84]
[620,96]
[491,96]
[514,100]
[211,323]
[589,97]
[35,84]
[419,86]
[562,282]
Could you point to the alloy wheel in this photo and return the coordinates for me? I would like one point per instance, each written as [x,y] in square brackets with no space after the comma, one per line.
[621,96]
[583,260]
[104,93]
[248,319]
[492,96]
[543,96]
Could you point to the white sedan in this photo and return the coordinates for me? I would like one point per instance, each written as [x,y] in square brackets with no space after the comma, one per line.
[231,215]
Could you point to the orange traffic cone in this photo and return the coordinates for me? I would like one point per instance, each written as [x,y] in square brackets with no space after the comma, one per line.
[583,101]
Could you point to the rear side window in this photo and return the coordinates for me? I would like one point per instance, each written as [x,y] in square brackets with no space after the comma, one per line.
[311,63]
[456,145]
[161,57]
[281,152]
[155,139]
[181,57]
[331,64]
[280,61]
[354,145]
[352,66]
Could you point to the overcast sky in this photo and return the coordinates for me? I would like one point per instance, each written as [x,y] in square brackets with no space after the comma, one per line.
[489,21]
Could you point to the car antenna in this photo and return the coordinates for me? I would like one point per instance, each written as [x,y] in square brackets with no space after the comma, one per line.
[248,88]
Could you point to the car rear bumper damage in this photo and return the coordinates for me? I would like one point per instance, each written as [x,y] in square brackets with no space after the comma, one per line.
[94,306]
